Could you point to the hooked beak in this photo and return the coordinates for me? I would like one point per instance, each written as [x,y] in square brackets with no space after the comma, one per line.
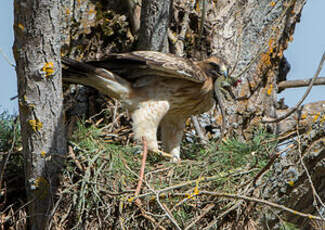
[224,71]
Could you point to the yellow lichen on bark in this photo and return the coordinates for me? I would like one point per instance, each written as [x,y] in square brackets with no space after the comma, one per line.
[42,187]
[43,154]
[316,117]
[265,59]
[269,90]
[20,26]
[303,116]
[48,69]
[35,124]
[270,46]
[291,183]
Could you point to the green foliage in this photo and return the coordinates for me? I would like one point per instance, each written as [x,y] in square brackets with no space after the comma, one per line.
[100,177]
[233,153]
[10,140]
[106,169]
[103,170]
[9,128]
[288,226]
[11,166]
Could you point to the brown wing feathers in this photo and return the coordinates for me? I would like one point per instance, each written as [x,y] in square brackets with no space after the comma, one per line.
[141,63]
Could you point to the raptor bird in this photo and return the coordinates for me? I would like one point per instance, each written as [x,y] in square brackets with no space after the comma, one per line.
[158,89]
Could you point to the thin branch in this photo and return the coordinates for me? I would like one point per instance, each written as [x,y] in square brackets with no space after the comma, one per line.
[320,66]
[76,161]
[54,209]
[270,163]
[206,209]
[213,222]
[315,194]
[15,213]
[172,209]
[299,83]
[268,203]
[191,182]
[6,58]
[167,212]
[13,98]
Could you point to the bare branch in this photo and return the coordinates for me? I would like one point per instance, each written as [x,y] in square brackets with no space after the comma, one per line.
[205,210]
[6,58]
[268,203]
[315,194]
[299,83]
[320,66]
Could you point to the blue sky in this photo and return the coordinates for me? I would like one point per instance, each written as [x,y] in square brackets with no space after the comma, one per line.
[303,54]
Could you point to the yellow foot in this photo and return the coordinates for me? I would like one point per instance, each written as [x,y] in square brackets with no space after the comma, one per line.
[161,153]
[173,158]
[164,154]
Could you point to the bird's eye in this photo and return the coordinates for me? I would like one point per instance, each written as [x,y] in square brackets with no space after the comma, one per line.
[215,66]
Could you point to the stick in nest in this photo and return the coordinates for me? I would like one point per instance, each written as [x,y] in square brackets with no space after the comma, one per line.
[265,202]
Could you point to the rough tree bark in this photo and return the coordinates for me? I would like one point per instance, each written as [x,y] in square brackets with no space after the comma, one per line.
[154,25]
[251,36]
[37,54]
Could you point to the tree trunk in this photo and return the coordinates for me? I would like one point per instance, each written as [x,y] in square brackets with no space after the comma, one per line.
[37,54]
[154,25]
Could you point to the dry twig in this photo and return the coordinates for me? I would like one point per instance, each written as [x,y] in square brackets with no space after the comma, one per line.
[299,83]
[315,194]
[73,156]
[320,66]
[167,211]
[270,163]
[191,182]
[205,210]
[268,203]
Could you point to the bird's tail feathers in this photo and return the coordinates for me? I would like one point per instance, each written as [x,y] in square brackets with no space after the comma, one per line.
[99,78]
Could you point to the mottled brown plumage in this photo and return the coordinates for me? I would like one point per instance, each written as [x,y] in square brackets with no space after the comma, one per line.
[158,90]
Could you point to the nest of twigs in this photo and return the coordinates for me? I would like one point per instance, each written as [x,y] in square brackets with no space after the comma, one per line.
[103,188]
[108,184]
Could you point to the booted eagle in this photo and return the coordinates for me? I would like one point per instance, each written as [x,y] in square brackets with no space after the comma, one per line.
[158,89]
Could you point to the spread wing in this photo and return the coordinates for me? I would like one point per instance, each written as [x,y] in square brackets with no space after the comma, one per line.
[150,63]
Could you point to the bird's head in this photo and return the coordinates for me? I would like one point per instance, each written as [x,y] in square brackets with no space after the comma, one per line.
[215,67]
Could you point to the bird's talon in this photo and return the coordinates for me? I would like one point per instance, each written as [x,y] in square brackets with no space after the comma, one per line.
[175,159]
[164,154]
